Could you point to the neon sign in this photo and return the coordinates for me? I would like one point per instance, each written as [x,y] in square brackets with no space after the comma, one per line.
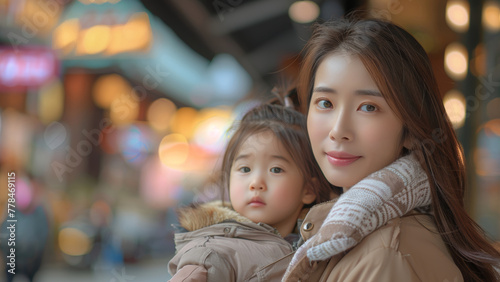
[26,67]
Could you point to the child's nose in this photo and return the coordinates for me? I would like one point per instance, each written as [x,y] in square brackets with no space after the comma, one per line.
[258,183]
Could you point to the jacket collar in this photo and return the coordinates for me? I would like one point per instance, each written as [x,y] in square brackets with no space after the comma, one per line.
[198,216]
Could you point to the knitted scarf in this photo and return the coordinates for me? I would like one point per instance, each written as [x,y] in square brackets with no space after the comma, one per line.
[384,195]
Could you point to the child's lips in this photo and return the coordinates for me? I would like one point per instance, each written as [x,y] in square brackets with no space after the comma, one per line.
[256,202]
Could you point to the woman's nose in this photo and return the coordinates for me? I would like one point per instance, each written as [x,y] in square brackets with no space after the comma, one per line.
[342,127]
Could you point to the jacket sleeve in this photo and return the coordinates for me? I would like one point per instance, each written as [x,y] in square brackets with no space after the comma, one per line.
[201,262]
[383,264]
[196,273]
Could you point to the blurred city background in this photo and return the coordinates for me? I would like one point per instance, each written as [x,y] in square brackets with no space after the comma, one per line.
[113,113]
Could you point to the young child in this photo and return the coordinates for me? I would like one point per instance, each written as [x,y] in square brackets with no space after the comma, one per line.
[269,169]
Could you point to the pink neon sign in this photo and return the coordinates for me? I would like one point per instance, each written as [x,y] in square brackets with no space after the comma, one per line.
[26,67]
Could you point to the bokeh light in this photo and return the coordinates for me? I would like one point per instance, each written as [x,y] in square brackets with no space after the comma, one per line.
[125,109]
[134,143]
[161,186]
[455,61]
[173,150]
[24,193]
[492,127]
[455,105]
[303,11]
[51,102]
[160,114]
[94,40]
[74,242]
[491,16]
[184,121]
[211,129]
[133,36]
[457,15]
[108,88]
[65,36]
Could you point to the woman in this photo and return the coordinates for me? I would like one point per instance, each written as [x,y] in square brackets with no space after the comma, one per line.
[370,97]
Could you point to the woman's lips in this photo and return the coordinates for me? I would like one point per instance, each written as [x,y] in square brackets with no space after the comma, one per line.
[341,158]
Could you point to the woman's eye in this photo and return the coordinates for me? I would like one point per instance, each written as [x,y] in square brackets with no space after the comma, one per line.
[276,170]
[244,169]
[368,108]
[324,104]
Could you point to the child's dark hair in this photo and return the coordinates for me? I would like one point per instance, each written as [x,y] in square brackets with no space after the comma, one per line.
[289,126]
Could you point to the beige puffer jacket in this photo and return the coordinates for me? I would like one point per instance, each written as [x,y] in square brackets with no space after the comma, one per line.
[222,245]
[408,248]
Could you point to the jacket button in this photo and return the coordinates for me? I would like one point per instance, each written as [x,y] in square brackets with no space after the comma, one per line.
[308,226]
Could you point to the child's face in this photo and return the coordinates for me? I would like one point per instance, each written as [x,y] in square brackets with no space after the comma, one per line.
[265,183]
[352,129]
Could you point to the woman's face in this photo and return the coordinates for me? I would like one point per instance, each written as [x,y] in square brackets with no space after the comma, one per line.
[353,130]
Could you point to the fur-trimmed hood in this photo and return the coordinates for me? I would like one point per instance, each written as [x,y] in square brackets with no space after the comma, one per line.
[227,246]
[198,216]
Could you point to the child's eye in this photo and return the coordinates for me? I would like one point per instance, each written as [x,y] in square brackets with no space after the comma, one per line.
[276,170]
[324,104]
[244,169]
[368,108]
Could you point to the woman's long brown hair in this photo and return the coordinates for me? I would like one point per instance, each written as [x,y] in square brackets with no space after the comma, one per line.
[401,69]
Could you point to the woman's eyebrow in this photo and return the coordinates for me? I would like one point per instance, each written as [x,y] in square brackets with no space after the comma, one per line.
[367,92]
[324,89]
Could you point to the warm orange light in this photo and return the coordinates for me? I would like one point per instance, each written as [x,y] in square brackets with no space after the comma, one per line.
[94,40]
[303,11]
[457,15]
[74,242]
[491,16]
[65,36]
[38,16]
[493,126]
[184,121]
[173,150]
[125,109]
[454,103]
[51,102]
[135,35]
[160,113]
[456,61]
[109,88]
[212,127]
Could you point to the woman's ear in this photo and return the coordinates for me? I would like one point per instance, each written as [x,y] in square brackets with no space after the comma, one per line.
[408,140]
[308,196]
[408,143]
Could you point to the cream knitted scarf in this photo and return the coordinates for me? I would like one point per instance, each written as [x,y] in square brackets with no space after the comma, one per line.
[384,195]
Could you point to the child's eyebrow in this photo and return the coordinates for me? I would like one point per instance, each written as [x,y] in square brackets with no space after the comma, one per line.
[246,156]
[280,157]
[243,156]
